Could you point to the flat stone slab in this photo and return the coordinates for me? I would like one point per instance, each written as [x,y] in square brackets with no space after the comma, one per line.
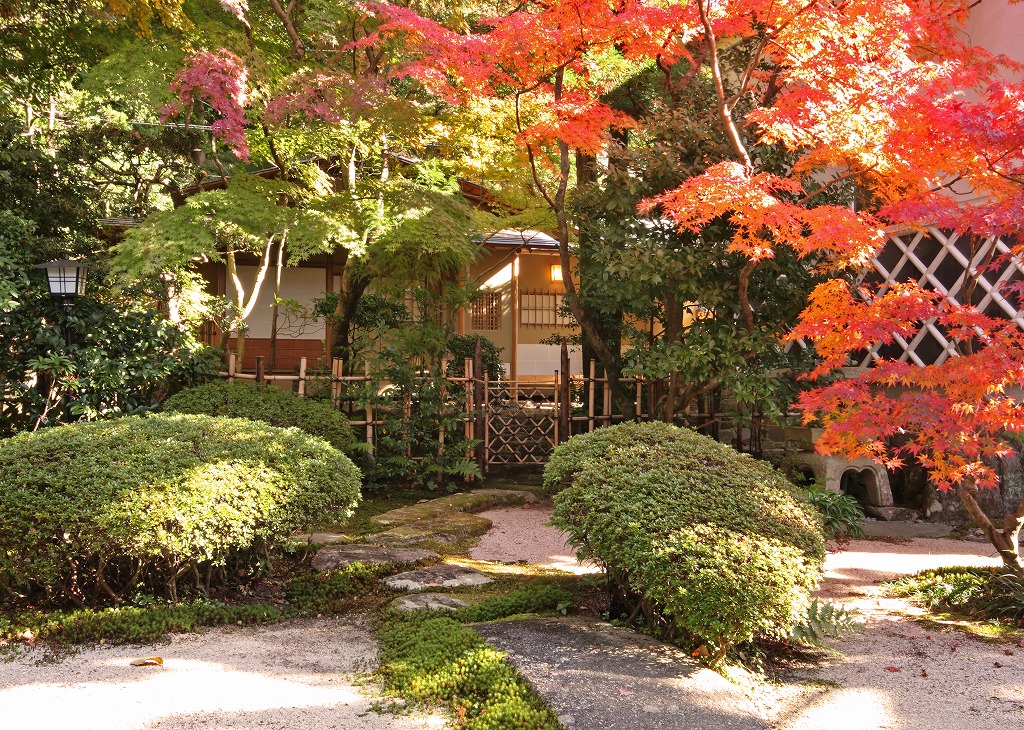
[427,602]
[873,528]
[446,528]
[440,576]
[338,556]
[475,500]
[599,677]
[319,538]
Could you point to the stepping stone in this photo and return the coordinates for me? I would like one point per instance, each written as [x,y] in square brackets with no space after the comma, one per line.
[446,528]
[338,556]
[476,500]
[440,576]
[427,602]
[597,676]
[319,538]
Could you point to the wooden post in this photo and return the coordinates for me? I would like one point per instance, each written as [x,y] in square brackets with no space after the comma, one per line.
[606,406]
[479,383]
[487,431]
[514,309]
[337,368]
[302,377]
[231,367]
[369,413]
[564,398]
[591,392]
[260,371]
[468,392]
[639,399]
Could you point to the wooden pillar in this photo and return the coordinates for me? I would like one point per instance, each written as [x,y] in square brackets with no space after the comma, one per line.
[302,377]
[514,366]
[369,414]
[260,370]
[478,385]
[591,392]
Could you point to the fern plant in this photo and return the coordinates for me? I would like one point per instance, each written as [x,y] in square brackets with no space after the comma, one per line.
[840,512]
[824,620]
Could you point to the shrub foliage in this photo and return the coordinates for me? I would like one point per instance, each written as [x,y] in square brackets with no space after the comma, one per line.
[268,404]
[95,511]
[712,547]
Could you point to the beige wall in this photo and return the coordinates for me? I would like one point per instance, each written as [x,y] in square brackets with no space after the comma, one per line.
[302,284]
[999,27]
[494,272]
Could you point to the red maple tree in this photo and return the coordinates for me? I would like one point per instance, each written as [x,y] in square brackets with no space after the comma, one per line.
[888,97]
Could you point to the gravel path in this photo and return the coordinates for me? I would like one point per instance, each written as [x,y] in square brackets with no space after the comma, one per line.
[895,675]
[521,534]
[295,675]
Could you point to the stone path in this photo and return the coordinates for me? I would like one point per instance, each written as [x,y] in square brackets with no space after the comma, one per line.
[598,677]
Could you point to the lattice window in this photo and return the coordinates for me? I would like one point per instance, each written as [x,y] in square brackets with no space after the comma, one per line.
[942,261]
[542,309]
[486,312]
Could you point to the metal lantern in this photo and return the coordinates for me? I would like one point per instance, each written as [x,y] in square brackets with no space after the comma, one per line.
[66,279]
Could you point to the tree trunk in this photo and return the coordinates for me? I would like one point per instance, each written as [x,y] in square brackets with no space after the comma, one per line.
[276,308]
[352,287]
[673,328]
[1005,540]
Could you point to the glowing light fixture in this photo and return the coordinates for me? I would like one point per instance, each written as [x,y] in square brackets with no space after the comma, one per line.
[556,272]
[66,280]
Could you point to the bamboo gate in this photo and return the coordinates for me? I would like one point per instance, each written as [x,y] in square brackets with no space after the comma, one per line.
[513,422]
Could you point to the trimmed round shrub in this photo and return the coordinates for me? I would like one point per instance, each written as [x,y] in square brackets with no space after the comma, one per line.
[92,512]
[268,404]
[711,545]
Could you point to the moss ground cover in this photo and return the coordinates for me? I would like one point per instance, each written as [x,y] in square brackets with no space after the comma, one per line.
[426,657]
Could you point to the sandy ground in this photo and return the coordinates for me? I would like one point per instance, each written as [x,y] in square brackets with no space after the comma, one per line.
[521,534]
[296,675]
[895,675]
[898,674]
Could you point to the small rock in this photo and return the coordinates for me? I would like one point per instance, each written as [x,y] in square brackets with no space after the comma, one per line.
[891,514]
[440,576]
[338,556]
[427,602]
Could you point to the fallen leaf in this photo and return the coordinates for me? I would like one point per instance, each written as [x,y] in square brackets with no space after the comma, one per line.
[997,665]
[893,669]
[924,672]
[149,661]
[701,651]
[1008,652]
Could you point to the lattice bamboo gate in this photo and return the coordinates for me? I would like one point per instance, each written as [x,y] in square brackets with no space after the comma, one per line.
[514,423]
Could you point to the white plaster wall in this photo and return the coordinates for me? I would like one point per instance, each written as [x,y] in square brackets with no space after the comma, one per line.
[546,359]
[301,284]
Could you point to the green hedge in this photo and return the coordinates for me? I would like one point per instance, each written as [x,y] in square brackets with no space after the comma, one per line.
[267,404]
[94,511]
[713,546]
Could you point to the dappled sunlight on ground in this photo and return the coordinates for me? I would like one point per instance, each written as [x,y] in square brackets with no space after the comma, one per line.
[294,675]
